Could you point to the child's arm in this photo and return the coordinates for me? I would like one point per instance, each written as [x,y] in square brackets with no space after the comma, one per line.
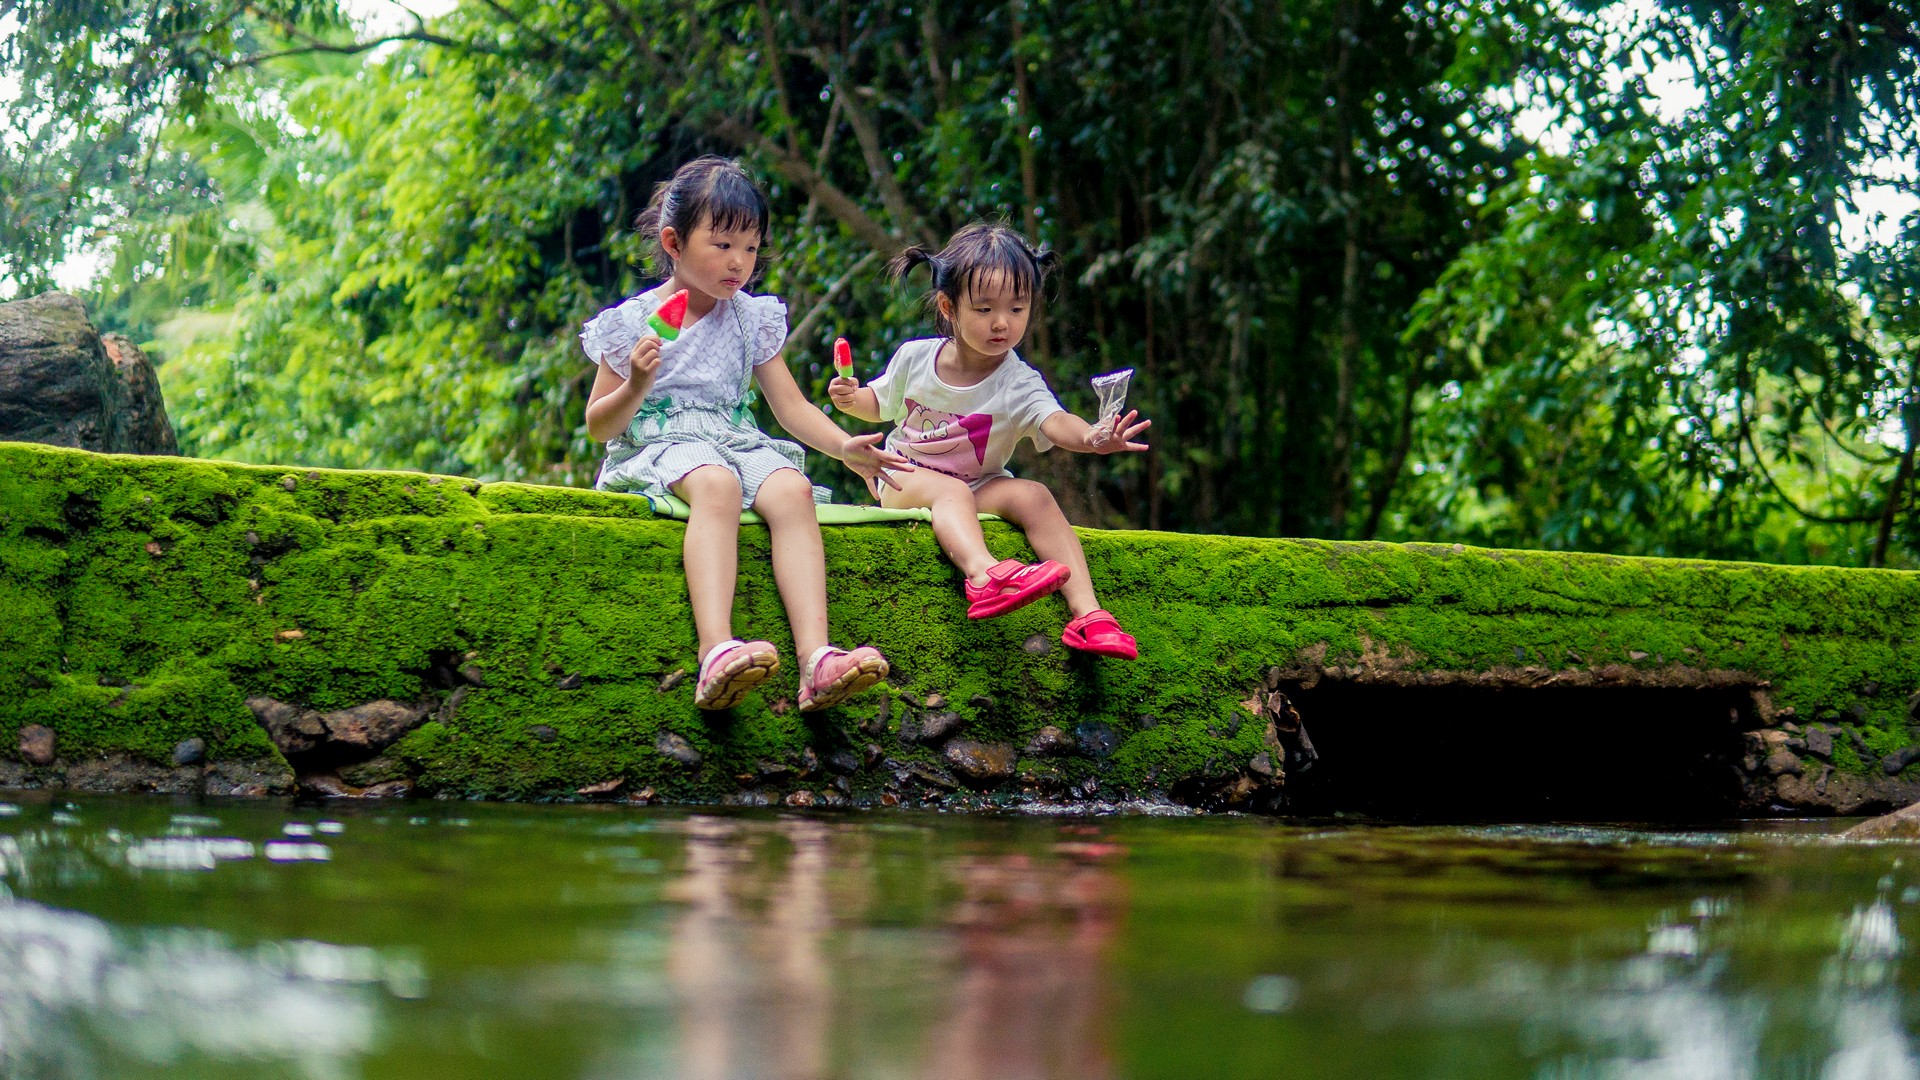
[613,400]
[859,402]
[1069,432]
[804,420]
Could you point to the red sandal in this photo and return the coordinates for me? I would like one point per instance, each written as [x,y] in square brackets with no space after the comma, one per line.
[1099,632]
[1011,584]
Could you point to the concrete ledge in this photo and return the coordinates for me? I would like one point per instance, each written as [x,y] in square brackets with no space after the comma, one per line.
[402,633]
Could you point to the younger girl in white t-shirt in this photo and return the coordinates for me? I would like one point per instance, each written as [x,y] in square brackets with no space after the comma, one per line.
[960,402]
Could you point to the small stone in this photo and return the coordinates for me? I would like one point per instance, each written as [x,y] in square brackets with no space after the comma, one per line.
[190,751]
[37,744]
[877,725]
[936,701]
[1636,655]
[374,725]
[1895,763]
[291,635]
[1148,720]
[910,698]
[1098,739]
[672,679]
[1790,727]
[154,549]
[800,798]
[1038,644]
[390,789]
[642,797]
[327,786]
[1820,742]
[289,483]
[1870,689]
[843,760]
[888,798]
[983,764]
[473,675]
[569,681]
[1262,764]
[677,748]
[842,785]
[604,787]
[1784,763]
[872,754]
[937,727]
[809,762]
[253,538]
[1050,741]
[543,733]
[773,770]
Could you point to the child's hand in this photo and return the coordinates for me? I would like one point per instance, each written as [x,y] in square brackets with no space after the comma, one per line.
[644,360]
[841,390]
[864,455]
[1101,440]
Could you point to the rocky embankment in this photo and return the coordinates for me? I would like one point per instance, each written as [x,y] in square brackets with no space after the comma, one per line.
[64,384]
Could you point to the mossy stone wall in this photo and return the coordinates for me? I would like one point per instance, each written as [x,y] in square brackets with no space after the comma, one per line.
[146,601]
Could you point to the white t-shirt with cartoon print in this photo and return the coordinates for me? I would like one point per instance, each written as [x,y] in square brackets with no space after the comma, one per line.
[967,432]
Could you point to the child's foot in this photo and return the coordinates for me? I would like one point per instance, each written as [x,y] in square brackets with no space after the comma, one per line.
[1099,632]
[1012,585]
[732,670]
[831,676]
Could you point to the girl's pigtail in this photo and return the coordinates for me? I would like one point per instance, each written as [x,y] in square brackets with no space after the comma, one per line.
[902,264]
[647,224]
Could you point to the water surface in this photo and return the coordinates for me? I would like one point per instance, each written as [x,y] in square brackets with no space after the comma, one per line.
[155,938]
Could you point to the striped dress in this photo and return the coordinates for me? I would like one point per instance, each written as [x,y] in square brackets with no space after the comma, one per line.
[699,411]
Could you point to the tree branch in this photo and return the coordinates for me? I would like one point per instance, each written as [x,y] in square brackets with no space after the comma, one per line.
[834,291]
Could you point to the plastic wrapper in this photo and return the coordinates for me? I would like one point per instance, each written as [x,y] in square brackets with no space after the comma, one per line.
[1111,389]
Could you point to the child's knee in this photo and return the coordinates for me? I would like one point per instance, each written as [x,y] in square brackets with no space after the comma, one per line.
[709,483]
[786,489]
[1034,500]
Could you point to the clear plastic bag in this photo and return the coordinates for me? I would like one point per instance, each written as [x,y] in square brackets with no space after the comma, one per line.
[1111,389]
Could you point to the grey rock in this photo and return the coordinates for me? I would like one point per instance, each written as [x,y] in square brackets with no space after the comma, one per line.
[121,771]
[327,786]
[569,681]
[1897,761]
[676,748]
[1038,645]
[60,384]
[254,777]
[1820,742]
[380,770]
[1783,763]
[473,675]
[1903,824]
[672,679]
[543,733]
[37,744]
[1097,739]
[1262,764]
[294,730]
[1050,741]
[800,798]
[190,751]
[981,764]
[390,789]
[981,701]
[939,726]
[375,725]
[843,760]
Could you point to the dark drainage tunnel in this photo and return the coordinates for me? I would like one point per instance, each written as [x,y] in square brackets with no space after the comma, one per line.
[1520,754]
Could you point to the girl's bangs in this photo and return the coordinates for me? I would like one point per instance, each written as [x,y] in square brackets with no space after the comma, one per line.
[1000,258]
[731,205]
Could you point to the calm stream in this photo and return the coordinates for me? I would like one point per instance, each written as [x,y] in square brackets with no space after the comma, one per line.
[143,937]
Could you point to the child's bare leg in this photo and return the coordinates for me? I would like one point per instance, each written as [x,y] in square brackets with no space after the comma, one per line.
[711,550]
[956,517]
[1032,507]
[799,561]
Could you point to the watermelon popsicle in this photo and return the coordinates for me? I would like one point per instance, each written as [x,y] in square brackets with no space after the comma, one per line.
[842,358]
[667,319]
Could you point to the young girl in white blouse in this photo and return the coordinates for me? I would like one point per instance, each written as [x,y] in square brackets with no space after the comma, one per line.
[675,417]
[960,402]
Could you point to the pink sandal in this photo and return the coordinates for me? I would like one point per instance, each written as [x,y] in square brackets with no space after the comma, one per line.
[1099,632]
[831,676]
[1011,584]
[732,670]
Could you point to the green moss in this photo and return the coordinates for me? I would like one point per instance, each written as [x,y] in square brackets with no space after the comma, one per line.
[198,584]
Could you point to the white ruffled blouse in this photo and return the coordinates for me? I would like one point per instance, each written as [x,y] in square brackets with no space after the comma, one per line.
[712,361]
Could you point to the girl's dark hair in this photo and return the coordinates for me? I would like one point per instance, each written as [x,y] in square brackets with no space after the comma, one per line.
[984,249]
[711,191]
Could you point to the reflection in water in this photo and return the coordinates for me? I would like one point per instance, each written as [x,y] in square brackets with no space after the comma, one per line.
[162,996]
[1025,985]
[614,944]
